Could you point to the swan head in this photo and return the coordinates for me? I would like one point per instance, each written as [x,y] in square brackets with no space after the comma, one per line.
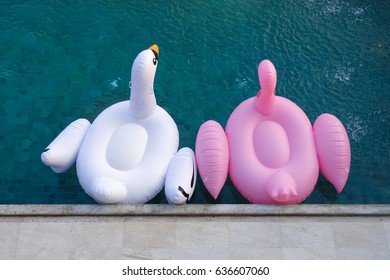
[142,99]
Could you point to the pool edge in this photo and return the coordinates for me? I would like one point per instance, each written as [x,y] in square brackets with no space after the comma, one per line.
[195,210]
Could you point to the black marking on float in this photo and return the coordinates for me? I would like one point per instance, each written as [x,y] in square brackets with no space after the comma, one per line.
[184,193]
[45,150]
[155,54]
[193,177]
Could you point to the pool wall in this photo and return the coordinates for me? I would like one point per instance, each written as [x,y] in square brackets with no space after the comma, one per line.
[190,232]
[196,210]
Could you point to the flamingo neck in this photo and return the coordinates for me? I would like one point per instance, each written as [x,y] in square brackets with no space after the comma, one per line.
[265,98]
[265,102]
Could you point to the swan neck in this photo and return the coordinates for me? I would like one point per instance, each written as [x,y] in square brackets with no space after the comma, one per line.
[142,102]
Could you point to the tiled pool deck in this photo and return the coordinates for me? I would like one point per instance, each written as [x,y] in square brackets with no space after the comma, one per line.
[195,232]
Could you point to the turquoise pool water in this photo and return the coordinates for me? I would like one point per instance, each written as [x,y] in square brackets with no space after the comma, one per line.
[61,60]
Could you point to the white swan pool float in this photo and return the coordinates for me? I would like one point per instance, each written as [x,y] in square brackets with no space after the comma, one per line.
[270,149]
[124,156]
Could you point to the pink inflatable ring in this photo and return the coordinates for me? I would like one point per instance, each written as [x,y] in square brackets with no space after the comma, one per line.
[270,149]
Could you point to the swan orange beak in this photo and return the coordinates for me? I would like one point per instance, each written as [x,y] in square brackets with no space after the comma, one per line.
[155,50]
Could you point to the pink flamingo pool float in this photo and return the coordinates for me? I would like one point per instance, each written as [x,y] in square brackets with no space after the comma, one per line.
[270,149]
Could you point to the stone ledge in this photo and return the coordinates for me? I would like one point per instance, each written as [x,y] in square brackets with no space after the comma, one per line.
[195,210]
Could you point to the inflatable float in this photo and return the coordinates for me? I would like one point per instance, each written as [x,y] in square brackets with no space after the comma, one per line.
[125,155]
[270,149]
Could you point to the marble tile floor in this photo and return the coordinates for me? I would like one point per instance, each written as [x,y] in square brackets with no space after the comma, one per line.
[274,237]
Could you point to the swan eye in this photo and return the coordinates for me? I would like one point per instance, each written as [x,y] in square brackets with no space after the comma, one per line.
[154,61]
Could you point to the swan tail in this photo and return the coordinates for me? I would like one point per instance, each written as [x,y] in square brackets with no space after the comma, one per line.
[107,190]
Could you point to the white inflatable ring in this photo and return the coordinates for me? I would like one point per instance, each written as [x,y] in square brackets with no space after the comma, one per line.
[125,155]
